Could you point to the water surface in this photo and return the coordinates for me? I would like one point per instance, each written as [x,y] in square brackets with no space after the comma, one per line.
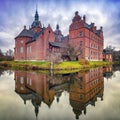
[88,95]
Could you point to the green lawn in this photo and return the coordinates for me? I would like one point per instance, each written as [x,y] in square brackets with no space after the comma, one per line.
[34,65]
[68,65]
[99,63]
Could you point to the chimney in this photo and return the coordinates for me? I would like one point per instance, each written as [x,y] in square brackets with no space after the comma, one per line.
[101,28]
[95,28]
[92,24]
[84,19]
[24,26]
[76,13]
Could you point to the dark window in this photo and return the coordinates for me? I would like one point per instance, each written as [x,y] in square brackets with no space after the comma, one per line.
[81,96]
[76,58]
[81,34]
[91,52]
[81,43]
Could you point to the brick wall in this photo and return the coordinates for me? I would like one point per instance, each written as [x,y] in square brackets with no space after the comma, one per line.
[20,48]
[92,44]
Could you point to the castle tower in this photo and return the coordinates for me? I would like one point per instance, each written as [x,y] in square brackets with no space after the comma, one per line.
[86,39]
[58,34]
[36,25]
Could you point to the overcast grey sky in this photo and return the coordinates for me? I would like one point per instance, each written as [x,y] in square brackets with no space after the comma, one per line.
[14,14]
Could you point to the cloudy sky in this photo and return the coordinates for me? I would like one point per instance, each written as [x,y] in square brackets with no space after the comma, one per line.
[14,14]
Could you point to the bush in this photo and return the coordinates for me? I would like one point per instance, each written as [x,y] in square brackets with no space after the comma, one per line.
[83,62]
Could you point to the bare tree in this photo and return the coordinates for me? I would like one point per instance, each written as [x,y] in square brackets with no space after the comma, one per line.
[73,52]
[54,58]
[1,55]
[9,55]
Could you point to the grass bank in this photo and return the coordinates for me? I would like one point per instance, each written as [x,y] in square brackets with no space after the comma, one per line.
[38,65]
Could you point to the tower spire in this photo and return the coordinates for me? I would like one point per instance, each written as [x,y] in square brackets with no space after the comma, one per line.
[36,14]
[36,5]
[36,22]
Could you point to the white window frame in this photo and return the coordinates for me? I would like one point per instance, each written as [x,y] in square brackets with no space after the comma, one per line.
[21,49]
[21,80]
[30,48]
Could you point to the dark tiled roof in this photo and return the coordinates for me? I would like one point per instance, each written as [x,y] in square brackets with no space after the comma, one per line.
[90,28]
[107,51]
[98,32]
[26,33]
[36,23]
[57,44]
[36,35]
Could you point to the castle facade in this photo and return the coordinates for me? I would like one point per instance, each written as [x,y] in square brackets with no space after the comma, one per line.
[38,42]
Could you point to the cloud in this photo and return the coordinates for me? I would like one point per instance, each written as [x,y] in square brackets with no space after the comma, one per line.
[5,41]
[15,14]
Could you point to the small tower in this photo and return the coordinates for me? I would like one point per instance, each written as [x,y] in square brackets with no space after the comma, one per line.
[58,34]
[36,25]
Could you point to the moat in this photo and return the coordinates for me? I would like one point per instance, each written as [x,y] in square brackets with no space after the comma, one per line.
[84,95]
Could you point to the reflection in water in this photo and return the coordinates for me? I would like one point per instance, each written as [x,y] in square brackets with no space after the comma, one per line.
[10,72]
[83,88]
[108,71]
[39,87]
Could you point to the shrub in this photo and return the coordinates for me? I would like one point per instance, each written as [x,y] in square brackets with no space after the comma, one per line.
[83,62]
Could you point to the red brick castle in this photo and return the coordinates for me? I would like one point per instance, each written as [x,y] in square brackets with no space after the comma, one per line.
[38,42]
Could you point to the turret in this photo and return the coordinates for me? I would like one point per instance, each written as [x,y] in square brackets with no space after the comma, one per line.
[36,25]
[36,22]
[76,18]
